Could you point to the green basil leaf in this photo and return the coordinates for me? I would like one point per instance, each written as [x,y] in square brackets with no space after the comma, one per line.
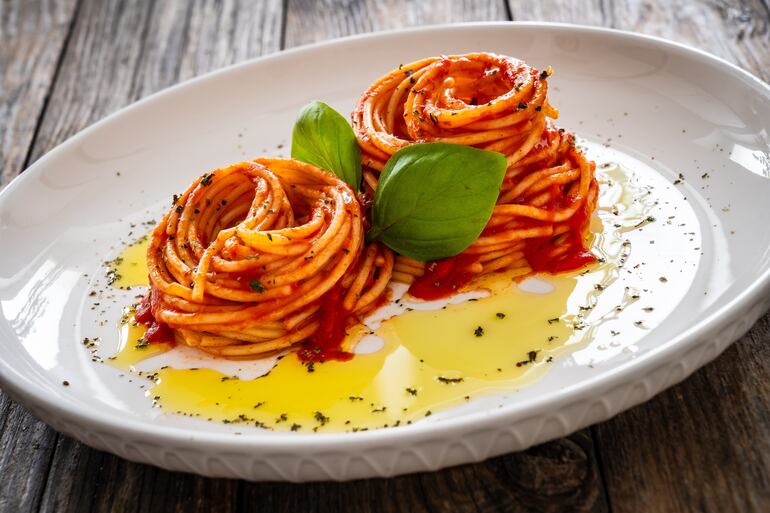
[434,199]
[323,137]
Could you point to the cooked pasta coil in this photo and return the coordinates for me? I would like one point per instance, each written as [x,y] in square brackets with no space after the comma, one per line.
[241,263]
[500,104]
[484,100]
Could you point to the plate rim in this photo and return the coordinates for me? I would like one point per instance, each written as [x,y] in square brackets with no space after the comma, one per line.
[28,392]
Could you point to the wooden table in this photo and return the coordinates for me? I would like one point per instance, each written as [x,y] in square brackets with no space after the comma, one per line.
[703,445]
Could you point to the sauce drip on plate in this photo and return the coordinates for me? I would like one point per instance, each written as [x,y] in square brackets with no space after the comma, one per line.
[326,343]
[444,277]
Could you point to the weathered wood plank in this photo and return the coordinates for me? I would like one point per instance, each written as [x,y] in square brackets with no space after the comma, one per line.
[179,41]
[26,446]
[95,481]
[126,50]
[119,52]
[308,21]
[555,477]
[736,30]
[583,12]
[32,34]
[705,444]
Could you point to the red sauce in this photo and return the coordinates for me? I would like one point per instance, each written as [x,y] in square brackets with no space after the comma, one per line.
[143,313]
[157,333]
[538,251]
[326,342]
[522,224]
[443,277]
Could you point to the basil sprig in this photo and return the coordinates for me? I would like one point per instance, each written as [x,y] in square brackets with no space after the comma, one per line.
[322,137]
[434,199]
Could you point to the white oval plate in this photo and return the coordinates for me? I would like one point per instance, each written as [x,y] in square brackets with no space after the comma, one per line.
[677,110]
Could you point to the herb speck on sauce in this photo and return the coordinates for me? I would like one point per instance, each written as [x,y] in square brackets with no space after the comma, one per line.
[321,418]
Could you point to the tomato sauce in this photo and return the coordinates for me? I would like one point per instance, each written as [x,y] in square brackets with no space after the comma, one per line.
[143,313]
[443,277]
[326,343]
[537,251]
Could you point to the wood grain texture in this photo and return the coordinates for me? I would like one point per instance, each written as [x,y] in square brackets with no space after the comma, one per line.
[83,479]
[742,27]
[736,30]
[119,52]
[741,36]
[32,33]
[705,444]
[551,478]
[308,21]
[702,446]
[583,12]
[26,447]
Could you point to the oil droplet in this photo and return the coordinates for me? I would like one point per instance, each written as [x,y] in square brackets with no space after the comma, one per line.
[131,349]
[130,268]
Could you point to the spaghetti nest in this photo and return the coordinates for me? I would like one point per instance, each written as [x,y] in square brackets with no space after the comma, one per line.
[496,103]
[243,261]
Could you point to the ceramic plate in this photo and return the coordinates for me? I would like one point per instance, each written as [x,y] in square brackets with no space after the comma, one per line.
[691,127]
